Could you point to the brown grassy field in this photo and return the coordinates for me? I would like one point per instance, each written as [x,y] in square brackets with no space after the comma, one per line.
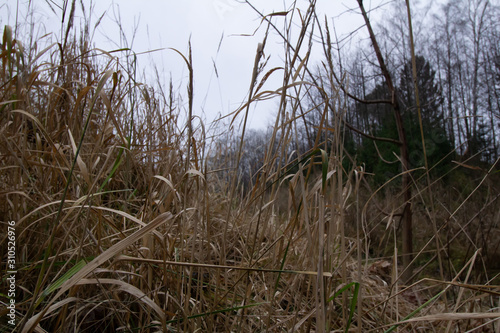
[128,219]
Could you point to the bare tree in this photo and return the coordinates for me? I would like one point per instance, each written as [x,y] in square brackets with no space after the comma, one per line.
[407,236]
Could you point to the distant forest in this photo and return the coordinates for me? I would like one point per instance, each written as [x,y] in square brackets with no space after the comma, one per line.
[457,46]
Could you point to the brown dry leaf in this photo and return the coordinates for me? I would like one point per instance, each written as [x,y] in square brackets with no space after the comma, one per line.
[128,288]
[451,316]
[81,164]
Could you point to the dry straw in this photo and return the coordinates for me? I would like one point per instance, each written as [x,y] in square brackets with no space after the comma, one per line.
[130,220]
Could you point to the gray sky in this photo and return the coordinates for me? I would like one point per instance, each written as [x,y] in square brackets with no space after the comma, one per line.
[171,24]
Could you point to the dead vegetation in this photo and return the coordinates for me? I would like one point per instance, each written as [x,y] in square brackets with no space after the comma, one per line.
[126,221]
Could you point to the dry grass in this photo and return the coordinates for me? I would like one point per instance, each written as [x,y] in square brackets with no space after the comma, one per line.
[126,223]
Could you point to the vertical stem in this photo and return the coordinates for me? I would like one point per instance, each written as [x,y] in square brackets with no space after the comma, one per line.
[320,286]
[407,236]
[419,111]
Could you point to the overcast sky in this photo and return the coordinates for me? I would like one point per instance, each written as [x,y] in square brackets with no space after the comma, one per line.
[171,24]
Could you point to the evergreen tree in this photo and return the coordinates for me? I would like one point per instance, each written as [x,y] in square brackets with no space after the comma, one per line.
[380,157]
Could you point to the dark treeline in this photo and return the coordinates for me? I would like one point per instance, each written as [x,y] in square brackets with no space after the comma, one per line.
[457,48]
[458,79]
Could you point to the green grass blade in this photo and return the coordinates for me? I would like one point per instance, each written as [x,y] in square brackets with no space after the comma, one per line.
[58,283]
[354,300]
